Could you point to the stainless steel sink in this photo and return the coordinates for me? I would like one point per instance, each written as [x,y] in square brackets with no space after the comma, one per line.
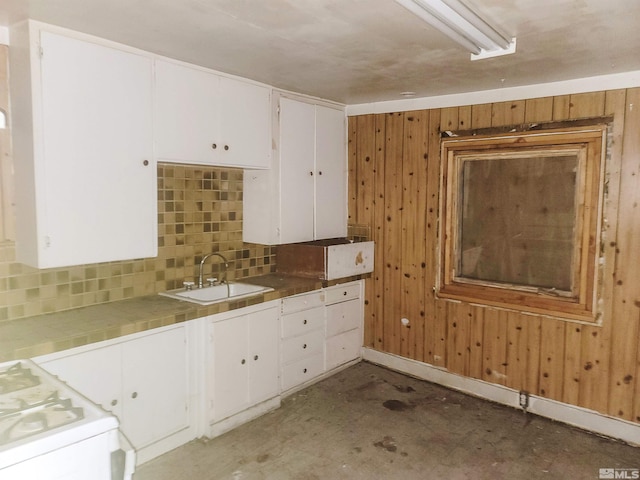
[217,293]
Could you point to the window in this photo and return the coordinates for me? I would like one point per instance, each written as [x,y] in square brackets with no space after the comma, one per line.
[520,220]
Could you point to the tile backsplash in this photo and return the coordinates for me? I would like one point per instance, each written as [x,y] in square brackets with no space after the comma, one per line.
[199,211]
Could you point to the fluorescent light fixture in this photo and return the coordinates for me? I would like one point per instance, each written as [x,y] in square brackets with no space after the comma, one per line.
[463,25]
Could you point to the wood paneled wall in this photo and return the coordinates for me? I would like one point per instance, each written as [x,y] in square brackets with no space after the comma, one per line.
[394,168]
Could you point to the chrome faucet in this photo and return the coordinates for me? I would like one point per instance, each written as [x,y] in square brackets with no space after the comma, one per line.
[204,259]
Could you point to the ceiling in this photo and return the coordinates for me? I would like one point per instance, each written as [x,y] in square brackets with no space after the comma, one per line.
[359,51]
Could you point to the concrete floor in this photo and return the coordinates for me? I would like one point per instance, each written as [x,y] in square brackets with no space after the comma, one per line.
[368,422]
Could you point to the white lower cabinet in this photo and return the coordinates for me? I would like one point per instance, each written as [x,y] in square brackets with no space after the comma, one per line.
[169,385]
[242,365]
[320,331]
[144,381]
[302,337]
[344,334]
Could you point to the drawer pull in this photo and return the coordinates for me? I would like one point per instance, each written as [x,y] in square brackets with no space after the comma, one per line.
[304,371]
[304,346]
[114,402]
[134,395]
[304,322]
[344,293]
[243,361]
[255,357]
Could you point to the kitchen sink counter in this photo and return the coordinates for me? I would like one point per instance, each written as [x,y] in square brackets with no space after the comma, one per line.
[53,332]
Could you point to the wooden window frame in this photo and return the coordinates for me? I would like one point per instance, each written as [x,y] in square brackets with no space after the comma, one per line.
[581,303]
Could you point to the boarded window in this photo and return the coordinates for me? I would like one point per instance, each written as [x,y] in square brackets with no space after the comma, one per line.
[520,218]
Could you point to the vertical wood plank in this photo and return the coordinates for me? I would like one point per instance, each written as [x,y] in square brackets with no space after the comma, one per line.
[458,334]
[476,341]
[414,201]
[449,119]
[393,233]
[507,113]
[552,343]
[626,294]
[495,346]
[596,340]
[465,117]
[561,107]
[517,355]
[377,231]
[362,154]
[538,110]
[572,363]
[435,329]
[584,105]
[481,115]
[352,179]
[534,338]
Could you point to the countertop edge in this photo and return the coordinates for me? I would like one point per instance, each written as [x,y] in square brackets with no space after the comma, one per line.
[54,332]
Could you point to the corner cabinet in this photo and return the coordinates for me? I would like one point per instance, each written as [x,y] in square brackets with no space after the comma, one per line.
[304,195]
[208,119]
[144,381]
[82,131]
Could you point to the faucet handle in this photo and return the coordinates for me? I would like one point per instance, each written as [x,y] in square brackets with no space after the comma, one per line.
[212,281]
[188,285]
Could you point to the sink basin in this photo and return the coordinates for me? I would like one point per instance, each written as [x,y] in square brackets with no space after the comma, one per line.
[217,293]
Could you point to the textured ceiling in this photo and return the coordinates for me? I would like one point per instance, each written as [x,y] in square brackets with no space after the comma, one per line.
[359,51]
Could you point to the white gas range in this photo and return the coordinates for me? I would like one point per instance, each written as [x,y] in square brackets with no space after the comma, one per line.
[48,431]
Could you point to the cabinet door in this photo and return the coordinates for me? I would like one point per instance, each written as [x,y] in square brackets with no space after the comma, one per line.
[297,188]
[155,386]
[263,355]
[245,124]
[331,174]
[229,363]
[96,179]
[96,374]
[343,316]
[186,114]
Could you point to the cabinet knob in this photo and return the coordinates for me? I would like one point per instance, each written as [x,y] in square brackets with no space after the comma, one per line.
[214,146]
[255,357]
[243,361]
[304,371]
[320,172]
[145,162]
[304,322]
[304,346]
[311,173]
[114,402]
[226,147]
[344,293]
[134,395]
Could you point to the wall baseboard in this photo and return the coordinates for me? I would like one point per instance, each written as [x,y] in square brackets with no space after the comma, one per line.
[583,418]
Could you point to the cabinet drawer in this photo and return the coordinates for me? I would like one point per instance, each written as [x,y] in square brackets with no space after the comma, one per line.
[341,293]
[302,346]
[342,317]
[301,322]
[302,371]
[303,302]
[343,348]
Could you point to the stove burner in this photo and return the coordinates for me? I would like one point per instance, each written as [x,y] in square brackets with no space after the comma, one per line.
[33,423]
[52,412]
[16,377]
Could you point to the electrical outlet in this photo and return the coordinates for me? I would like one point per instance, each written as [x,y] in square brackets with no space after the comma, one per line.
[524,399]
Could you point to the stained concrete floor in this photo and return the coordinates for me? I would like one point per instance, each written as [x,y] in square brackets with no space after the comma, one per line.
[368,422]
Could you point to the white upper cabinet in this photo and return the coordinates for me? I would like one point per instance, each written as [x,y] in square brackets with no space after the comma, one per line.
[84,169]
[304,195]
[204,118]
